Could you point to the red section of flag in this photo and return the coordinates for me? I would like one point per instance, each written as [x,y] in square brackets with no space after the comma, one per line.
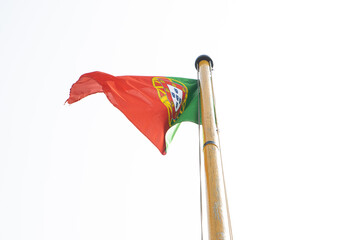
[134,96]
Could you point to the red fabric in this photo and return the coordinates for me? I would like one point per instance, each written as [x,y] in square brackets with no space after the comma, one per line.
[134,96]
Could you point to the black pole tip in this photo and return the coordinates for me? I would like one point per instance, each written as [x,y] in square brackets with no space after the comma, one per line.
[203,57]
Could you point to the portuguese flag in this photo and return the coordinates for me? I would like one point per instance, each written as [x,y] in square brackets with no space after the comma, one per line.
[155,105]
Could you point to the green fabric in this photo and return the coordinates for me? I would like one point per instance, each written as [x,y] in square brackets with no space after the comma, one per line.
[192,103]
[191,112]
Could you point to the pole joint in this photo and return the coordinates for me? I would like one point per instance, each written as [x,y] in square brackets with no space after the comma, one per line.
[210,142]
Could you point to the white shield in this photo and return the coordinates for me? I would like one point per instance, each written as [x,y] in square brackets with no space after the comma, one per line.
[176,95]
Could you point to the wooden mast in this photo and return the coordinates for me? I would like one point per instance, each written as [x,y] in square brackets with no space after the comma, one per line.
[219,225]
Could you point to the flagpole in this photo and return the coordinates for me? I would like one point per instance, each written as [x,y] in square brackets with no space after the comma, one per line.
[219,226]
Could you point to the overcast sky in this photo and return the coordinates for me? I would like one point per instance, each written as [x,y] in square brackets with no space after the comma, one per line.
[287,88]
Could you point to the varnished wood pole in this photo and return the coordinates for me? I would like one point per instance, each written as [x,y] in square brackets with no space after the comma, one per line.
[219,225]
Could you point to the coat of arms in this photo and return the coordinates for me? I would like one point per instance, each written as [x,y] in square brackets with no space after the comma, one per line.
[173,95]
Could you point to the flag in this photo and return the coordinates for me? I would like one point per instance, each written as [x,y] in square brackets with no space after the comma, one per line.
[155,105]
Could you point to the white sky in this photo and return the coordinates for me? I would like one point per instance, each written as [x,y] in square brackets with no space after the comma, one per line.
[288,98]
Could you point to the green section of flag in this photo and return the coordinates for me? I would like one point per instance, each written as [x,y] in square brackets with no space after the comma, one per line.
[191,113]
[192,108]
